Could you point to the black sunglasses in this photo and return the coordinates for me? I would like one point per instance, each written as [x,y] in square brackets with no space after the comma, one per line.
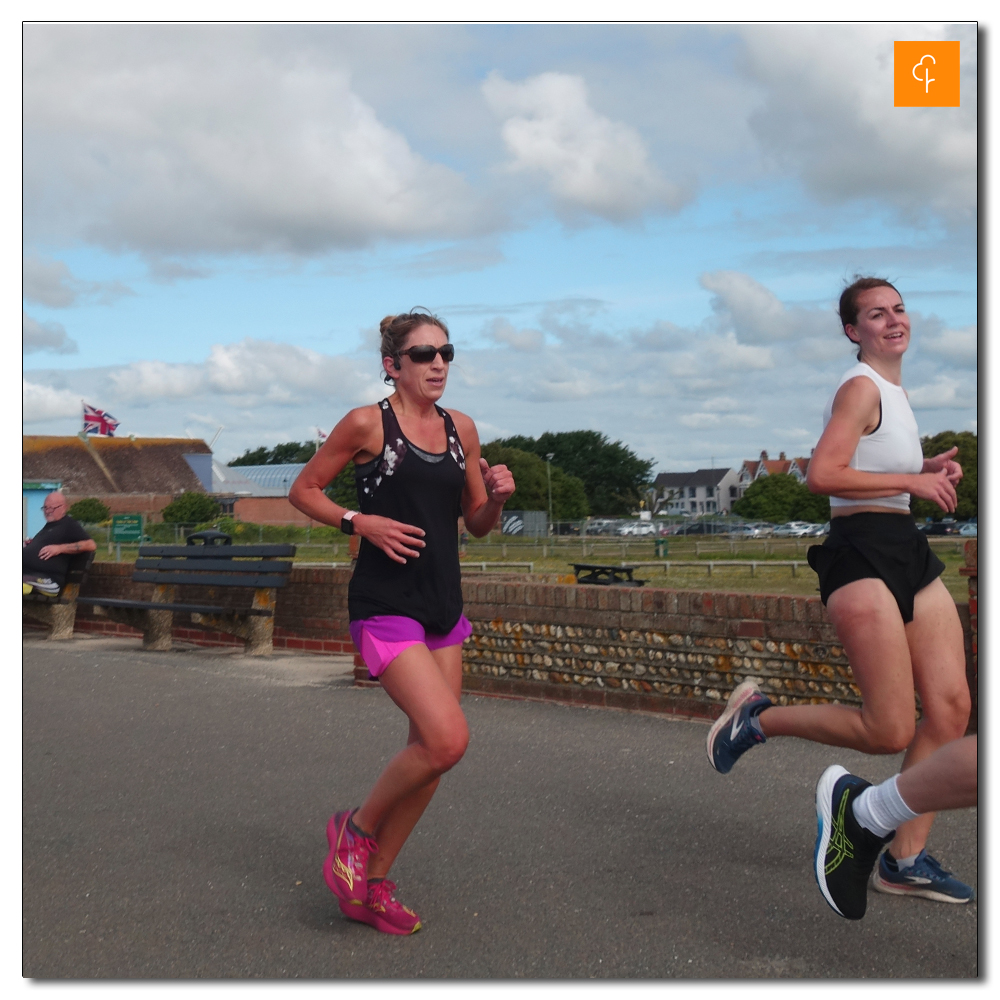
[424,354]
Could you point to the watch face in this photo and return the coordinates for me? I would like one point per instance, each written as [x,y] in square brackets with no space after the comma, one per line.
[347,525]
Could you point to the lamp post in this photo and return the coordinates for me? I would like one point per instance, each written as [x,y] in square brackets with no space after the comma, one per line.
[548,469]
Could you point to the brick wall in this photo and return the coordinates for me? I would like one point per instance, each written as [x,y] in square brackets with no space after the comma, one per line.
[270,510]
[680,652]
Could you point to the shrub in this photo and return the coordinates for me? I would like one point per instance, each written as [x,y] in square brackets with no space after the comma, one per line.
[89,511]
[191,508]
[781,497]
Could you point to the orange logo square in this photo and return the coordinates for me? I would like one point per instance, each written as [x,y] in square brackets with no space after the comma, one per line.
[926,74]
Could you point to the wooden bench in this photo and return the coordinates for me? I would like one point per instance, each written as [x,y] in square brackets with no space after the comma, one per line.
[215,563]
[58,611]
[607,576]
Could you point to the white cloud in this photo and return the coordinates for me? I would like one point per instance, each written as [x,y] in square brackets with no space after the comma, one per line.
[699,421]
[42,402]
[190,139]
[756,313]
[50,282]
[503,332]
[36,336]
[829,115]
[592,163]
[736,356]
[251,371]
[945,393]
[959,346]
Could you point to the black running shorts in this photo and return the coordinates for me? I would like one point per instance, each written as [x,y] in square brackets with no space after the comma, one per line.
[887,547]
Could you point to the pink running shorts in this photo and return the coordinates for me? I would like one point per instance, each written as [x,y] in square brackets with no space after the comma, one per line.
[382,638]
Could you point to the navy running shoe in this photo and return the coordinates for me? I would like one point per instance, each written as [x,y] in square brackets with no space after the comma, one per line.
[845,851]
[925,877]
[732,735]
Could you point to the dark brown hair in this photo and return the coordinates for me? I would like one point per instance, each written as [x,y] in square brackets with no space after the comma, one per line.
[848,310]
[395,330]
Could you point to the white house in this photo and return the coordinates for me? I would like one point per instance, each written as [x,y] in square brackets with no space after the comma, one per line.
[707,491]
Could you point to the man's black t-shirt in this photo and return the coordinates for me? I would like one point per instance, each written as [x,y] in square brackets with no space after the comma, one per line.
[54,533]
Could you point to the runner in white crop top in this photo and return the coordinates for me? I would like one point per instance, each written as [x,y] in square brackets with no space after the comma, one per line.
[894,446]
[882,588]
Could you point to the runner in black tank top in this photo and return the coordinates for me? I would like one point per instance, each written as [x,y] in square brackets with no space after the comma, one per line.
[415,487]
[418,469]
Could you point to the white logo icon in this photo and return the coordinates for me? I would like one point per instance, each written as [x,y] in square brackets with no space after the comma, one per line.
[926,79]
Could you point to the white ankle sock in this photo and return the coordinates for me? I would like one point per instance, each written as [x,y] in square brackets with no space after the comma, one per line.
[880,808]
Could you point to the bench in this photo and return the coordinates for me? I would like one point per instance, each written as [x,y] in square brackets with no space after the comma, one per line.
[607,576]
[215,563]
[58,611]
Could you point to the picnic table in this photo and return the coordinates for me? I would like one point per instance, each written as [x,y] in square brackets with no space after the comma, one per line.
[607,576]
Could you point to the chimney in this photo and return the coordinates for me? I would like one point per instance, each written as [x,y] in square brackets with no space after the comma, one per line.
[781,457]
[763,456]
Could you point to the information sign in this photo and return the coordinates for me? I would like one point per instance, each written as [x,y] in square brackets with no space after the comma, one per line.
[126,527]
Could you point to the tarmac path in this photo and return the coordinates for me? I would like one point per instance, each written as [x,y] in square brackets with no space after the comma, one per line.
[175,806]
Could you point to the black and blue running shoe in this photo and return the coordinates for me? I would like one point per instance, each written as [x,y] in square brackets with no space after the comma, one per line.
[845,851]
[925,877]
[733,734]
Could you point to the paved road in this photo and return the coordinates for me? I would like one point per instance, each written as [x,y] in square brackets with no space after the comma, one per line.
[175,805]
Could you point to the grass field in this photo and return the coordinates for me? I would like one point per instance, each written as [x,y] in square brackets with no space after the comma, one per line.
[556,555]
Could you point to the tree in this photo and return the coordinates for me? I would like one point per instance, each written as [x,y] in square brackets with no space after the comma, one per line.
[344,488]
[968,487]
[613,476]
[191,508]
[779,498]
[289,453]
[569,497]
[89,511]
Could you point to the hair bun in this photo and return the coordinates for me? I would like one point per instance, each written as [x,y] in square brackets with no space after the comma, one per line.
[383,327]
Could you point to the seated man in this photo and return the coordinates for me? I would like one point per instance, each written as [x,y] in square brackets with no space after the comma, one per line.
[45,558]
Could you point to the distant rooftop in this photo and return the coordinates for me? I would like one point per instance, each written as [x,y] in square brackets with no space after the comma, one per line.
[275,479]
[97,466]
[701,477]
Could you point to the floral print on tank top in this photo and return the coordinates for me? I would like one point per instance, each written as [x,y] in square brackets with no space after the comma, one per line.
[372,473]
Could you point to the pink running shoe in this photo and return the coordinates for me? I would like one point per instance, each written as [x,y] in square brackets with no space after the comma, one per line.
[346,866]
[383,911]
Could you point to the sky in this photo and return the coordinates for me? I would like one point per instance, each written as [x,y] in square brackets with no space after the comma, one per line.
[638,229]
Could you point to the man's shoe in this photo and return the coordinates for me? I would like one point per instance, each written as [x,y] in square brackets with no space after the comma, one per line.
[383,911]
[346,867]
[43,585]
[845,851]
[733,734]
[925,877]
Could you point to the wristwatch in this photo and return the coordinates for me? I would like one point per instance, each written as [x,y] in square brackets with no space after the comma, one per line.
[347,522]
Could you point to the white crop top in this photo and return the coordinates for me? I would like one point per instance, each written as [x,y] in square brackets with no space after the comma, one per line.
[894,446]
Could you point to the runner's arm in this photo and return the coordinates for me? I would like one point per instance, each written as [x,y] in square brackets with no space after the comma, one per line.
[360,432]
[486,489]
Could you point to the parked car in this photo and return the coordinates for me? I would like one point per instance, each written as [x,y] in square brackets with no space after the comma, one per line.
[969,530]
[601,526]
[746,530]
[938,528]
[794,529]
[815,530]
[638,528]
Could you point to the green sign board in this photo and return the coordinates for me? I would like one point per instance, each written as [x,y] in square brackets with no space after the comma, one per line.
[126,527]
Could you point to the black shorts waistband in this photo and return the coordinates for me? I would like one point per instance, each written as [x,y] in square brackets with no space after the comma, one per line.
[888,526]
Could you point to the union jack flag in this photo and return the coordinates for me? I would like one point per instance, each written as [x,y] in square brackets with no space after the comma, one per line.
[98,422]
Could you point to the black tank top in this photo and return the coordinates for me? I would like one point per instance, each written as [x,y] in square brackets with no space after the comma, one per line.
[415,487]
